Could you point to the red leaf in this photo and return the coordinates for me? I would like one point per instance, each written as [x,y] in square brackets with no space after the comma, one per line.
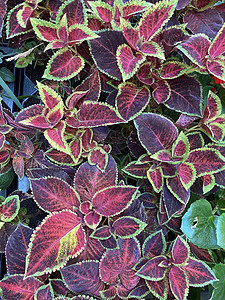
[63,65]
[178,283]
[206,161]
[89,179]
[216,67]
[55,137]
[52,245]
[45,292]
[128,227]
[54,194]
[2,13]
[131,100]
[18,166]
[16,249]
[113,200]
[162,91]
[199,274]
[158,288]
[92,219]
[154,19]
[217,47]
[173,69]
[128,62]
[9,208]
[155,176]
[180,251]
[137,170]
[119,262]
[93,114]
[16,287]
[144,74]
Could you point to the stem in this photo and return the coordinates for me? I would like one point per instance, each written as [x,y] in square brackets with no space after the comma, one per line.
[10,93]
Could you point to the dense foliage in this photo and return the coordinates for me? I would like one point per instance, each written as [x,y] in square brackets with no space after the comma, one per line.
[125,153]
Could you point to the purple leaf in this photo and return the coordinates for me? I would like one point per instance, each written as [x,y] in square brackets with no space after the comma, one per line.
[16,249]
[83,277]
[131,100]
[154,245]
[208,22]
[199,274]
[151,270]
[176,187]
[162,91]
[104,50]
[16,287]
[185,96]
[155,132]
[126,227]
[196,48]
[137,170]
[158,288]
[44,292]
[74,10]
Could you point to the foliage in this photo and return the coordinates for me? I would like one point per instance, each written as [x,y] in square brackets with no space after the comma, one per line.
[124,153]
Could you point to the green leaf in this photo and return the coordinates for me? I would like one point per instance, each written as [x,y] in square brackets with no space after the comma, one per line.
[219,286]
[220,231]
[199,224]
[6,178]
[7,75]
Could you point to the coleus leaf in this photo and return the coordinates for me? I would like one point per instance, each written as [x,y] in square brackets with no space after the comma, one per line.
[173,69]
[208,183]
[217,47]
[99,157]
[152,49]
[54,194]
[181,146]
[9,208]
[16,249]
[134,7]
[199,224]
[144,74]
[151,270]
[127,61]
[83,277]
[63,65]
[131,100]
[13,27]
[154,245]
[187,174]
[180,251]
[119,263]
[213,107]
[16,287]
[24,14]
[151,23]
[55,136]
[103,51]
[79,33]
[2,14]
[113,200]
[101,233]
[51,247]
[44,292]
[155,132]
[185,96]
[75,12]
[196,48]
[155,176]
[136,170]
[176,187]
[102,10]
[131,34]
[158,288]
[45,30]
[208,22]
[89,179]
[93,114]
[198,272]
[127,227]
[162,91]
[206,161]
[33,116]
[178,282]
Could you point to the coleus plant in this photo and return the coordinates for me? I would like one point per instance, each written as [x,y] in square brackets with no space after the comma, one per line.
[118,152]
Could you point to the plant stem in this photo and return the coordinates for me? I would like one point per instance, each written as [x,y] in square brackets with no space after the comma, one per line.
[10,93]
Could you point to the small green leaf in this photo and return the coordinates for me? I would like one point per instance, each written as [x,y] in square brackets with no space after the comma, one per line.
[220,231]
